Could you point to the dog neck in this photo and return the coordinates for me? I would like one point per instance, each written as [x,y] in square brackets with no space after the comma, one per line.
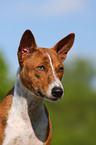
[23,95]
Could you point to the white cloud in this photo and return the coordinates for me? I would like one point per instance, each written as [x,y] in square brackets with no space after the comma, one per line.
[49,8]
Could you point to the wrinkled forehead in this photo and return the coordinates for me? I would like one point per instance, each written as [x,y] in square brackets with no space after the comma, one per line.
[44,55]
[48,54]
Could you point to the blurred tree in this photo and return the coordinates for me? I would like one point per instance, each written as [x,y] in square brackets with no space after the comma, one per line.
[5,82]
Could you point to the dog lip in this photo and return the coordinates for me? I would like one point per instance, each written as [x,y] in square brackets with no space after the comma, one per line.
[54,99]
[51,99]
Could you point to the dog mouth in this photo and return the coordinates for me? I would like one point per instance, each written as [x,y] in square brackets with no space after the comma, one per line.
[47,98]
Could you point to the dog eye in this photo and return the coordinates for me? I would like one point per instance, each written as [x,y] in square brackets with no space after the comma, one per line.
[41,68]
[61,69]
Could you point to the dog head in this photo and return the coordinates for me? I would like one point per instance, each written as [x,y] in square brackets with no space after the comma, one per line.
[41,69]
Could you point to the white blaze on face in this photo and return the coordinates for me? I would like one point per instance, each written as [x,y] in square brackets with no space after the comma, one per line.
[55,83]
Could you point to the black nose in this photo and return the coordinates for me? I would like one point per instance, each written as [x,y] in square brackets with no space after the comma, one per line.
[57,92]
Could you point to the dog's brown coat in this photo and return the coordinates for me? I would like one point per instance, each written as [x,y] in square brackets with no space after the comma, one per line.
[4,109]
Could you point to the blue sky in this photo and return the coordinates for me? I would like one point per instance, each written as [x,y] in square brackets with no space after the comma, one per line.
[50,21]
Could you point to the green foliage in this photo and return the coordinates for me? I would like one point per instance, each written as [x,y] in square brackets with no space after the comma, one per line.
[5,82]
[74,117]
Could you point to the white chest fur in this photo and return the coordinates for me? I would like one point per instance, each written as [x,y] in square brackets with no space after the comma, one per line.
[19,130]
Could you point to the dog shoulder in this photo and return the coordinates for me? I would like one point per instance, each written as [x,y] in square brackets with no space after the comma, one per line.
[5,106]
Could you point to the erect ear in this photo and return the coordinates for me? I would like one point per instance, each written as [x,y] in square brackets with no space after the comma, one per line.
[26,47]
[64,45]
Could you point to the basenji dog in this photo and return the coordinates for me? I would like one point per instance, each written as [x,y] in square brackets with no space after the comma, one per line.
[24,119]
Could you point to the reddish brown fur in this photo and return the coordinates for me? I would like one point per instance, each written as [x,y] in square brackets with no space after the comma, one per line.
[64,45]
[30,57]
[57,63]
[31,77]
[35,79]
[4,109]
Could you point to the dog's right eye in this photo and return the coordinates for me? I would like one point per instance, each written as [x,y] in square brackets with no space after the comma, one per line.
[41,68]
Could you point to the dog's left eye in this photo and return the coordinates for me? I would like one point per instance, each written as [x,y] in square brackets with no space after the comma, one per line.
[41,68]
[61,69]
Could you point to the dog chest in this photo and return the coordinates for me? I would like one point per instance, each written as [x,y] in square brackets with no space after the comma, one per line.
[19,130]
[20,134]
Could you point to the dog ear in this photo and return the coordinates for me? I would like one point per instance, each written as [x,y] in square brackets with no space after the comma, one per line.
[27,46]
[64,45]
